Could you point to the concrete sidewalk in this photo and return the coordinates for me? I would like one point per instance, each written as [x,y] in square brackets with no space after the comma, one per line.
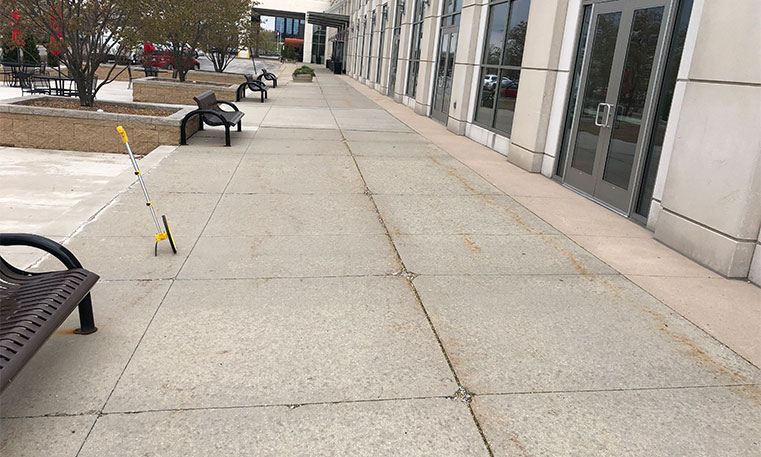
[345,286]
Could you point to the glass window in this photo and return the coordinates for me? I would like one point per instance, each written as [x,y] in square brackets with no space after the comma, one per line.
[644,199]
[417,36]
[501,64]
[381,40]
[370,48]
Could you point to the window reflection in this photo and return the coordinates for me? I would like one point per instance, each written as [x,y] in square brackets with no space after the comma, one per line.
[500,72]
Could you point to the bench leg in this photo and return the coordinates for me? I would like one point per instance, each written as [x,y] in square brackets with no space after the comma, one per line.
[227,134]
[240,124]
[200,122]
[262,94]
[86,319]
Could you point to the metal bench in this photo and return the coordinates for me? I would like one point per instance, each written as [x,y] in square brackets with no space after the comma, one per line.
[253,85]
[210,113]
[34,305]
[151,71]
[268,76]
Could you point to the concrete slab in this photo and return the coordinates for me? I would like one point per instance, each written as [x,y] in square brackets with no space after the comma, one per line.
[213,138]
[387,137]
[75,374]
[458,214]
[298,117]
[280,100]
[431,427]
[717,421]
[296,175]
[577,215]
[388,149]
[48,436]
[560,333]
[427,175]
[642,256]
[302,134]
[281,214]
[268,342]
[475,254]
[187,214]
[290,256]
[376,120]
[194,171]
[61,180]
[730,314]
[297,147]
[126,257]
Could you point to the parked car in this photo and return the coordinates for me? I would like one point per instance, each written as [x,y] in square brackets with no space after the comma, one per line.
[490,82]
[508,88]
[165,60]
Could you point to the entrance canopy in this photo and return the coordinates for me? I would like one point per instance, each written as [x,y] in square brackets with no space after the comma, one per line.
[338,21]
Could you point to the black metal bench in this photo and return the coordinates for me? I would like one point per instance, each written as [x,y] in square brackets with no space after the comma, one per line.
[253,85]
[268,76]
[34,305]
[151,71]
[210,113]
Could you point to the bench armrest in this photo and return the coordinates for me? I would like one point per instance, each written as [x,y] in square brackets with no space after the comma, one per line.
[225,102]
[40,242]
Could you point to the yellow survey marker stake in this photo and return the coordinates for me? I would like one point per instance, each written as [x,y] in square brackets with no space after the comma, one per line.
[161,235]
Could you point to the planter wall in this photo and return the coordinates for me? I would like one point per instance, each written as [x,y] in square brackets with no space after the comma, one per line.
[213,76]
[302,78]
[71,129]
[159,90]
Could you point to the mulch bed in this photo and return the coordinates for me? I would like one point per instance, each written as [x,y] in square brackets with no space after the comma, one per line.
[107,107]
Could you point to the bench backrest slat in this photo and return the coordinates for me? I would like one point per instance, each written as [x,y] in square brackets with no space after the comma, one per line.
[207,100]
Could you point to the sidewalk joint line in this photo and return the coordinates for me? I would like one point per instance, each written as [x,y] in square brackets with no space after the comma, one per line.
[409,276]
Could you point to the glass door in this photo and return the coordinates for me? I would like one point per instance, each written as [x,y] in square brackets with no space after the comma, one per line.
[618,81]
[444,72]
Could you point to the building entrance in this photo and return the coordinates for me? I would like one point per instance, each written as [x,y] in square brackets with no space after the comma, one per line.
[624,46]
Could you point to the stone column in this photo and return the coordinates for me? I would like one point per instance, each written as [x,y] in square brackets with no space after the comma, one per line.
[711,204]
[541,56]
[466,69]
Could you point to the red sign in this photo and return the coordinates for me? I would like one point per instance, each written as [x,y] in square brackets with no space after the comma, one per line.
[16,35]
[55,38]
[148,47]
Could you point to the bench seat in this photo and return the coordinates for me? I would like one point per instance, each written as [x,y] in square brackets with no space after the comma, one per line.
[34,305]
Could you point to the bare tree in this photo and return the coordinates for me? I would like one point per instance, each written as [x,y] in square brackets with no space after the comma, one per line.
[87,32]
[177,25]
[226,30]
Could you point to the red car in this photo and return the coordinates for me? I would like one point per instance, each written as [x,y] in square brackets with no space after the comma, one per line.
[164,59]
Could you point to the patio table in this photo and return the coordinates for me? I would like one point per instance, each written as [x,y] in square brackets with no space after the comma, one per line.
[58,85]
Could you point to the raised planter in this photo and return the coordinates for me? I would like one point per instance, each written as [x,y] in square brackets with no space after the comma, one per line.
[215,77]
[167,90]
[303,78]
[22,125]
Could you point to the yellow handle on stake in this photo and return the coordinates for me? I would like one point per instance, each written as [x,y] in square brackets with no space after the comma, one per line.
[121,131]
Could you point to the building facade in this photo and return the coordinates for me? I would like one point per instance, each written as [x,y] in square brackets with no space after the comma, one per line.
[651,108]
[287,18]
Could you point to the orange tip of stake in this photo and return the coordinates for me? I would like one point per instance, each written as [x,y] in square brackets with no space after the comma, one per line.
[121,131]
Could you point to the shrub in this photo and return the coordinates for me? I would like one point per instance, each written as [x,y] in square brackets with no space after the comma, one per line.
[303,70]
[289,53]
[52,59]
[31,53]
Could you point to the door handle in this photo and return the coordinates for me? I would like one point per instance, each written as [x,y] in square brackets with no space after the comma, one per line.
[611,109]
[597,115]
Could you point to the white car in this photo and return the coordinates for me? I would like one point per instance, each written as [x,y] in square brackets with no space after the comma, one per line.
[490,82]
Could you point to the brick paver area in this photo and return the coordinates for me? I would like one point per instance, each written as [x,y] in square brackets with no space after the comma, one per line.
[345,287]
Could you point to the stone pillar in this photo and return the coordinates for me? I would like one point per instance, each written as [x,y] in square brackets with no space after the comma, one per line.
[466,69]
[307,54]
[711,204]
[541,56]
